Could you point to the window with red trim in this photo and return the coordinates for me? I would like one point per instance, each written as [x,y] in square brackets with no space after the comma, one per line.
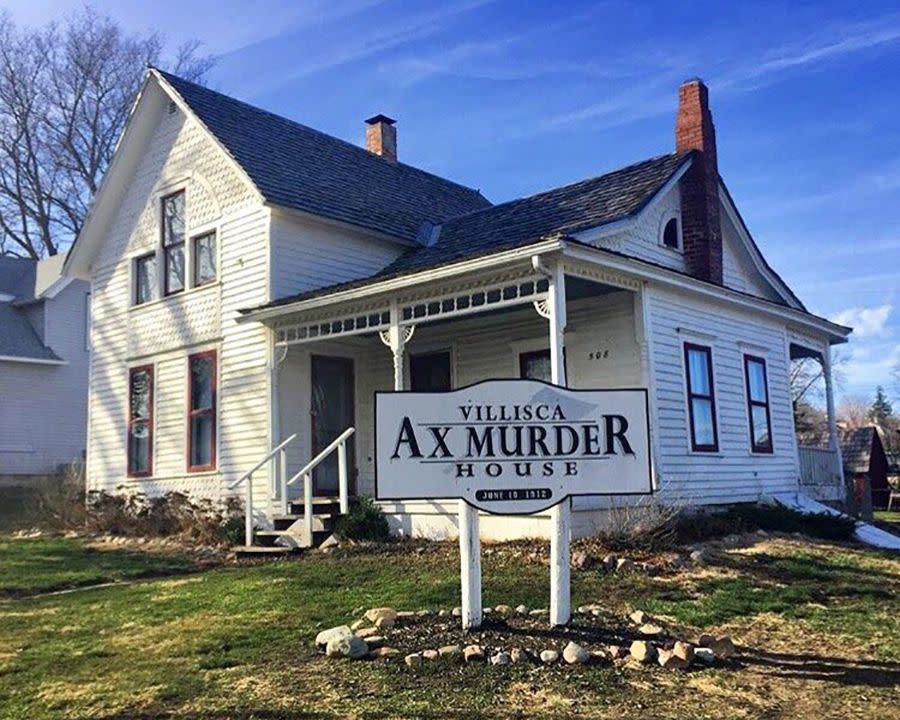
[140,421]
[758,404]
[701,398]
[202,411]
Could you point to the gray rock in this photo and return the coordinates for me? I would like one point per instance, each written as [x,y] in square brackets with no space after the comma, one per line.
[624,565]
[549,656]
[705,655]
[722,647]
[457,612]
[374,641]
[518,655]
[330,542]
[352,647]
[580,560]
[367,632]
[650,630]
[503,610]
[324,637]
[430,655]
[521,609]
[413,660]
[448,651]
[574,654]
[698,557]
[385,622]
[501,658]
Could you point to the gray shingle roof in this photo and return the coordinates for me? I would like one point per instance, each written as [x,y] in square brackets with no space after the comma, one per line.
[565,210]
[18,338]
[297,167]
[857,447]
[17,277]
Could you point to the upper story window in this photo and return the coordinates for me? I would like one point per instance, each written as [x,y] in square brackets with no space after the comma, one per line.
[701,398]
[204,252]
[671,234]
[145,280]
[758,404]
[173,227]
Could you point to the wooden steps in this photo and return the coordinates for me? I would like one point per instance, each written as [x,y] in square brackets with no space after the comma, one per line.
[285,538]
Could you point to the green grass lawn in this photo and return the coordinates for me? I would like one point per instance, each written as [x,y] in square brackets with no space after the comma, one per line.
[31,567]
[820,625]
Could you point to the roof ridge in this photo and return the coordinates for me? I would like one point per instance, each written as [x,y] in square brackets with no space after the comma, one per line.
[567,186]
[362,151]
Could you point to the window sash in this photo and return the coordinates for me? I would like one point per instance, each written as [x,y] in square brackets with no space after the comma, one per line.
[201,253]
[702,401]
[173,218]
[174,261]
[140,426]
[202,419]
[145,284]
[760,427]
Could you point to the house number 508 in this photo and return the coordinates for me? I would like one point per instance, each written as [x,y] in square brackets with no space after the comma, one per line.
[599,355]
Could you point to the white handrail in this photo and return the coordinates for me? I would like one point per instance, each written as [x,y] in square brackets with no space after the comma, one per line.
[248,497]
[262,462]
[317,460]
[340,443]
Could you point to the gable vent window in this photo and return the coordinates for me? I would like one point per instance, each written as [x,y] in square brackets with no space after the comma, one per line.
[671,234]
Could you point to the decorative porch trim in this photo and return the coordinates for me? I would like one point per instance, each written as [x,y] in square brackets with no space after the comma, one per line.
[601,275]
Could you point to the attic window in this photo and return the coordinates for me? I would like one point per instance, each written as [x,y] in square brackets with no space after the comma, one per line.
[671,234]
[172,107]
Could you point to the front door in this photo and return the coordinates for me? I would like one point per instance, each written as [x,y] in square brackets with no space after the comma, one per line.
[332,413]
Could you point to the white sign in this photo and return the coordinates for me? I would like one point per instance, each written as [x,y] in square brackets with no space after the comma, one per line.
[511,446]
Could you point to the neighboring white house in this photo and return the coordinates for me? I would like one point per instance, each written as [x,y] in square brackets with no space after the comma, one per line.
[44,360]
[254,280]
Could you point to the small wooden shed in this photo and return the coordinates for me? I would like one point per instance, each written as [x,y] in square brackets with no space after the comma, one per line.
[864,457]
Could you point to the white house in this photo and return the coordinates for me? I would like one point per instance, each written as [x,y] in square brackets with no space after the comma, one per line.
[44,357]
[255,281]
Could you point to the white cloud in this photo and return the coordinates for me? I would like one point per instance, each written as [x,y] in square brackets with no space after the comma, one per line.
[865,322]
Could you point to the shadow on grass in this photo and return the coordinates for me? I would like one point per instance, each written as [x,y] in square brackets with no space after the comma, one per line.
[864,673]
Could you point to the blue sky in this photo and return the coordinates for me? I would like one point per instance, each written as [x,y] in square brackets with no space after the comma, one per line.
[515,97]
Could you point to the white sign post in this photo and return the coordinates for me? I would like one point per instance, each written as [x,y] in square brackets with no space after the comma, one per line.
[512,447]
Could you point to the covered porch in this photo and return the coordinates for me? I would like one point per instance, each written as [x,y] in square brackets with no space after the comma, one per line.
[538,316]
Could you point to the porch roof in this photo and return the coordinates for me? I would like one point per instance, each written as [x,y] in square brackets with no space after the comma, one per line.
[562,211]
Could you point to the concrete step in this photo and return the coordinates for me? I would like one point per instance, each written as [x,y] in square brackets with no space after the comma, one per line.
[320,522]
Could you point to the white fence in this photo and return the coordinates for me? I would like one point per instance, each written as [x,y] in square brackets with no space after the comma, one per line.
[820,475]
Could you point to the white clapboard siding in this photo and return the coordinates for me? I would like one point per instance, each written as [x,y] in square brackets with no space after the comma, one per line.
[179,154]
[43,408]
[643,238]
[733,474]
[308,254]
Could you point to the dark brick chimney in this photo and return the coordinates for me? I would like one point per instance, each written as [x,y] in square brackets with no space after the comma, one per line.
[381,137]
[700,226]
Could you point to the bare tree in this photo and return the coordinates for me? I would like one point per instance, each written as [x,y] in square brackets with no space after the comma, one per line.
[807,376]
[65,94]
[853,411]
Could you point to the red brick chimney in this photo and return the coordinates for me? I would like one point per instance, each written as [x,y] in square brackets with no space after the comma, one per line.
[381,137]
[700,227]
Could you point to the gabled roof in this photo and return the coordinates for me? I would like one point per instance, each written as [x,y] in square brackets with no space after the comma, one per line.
[17,276]
[857,447]
[598,201]
[296,167]
[18,338]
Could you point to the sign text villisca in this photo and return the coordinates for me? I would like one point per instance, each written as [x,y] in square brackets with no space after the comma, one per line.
[511,446]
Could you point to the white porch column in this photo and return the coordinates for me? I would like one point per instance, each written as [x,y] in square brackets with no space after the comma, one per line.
[833,443]
[397,344]
[560,514]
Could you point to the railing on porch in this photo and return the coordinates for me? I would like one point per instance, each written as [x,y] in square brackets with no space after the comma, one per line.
[819,466]
[248,478]
[339,444]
